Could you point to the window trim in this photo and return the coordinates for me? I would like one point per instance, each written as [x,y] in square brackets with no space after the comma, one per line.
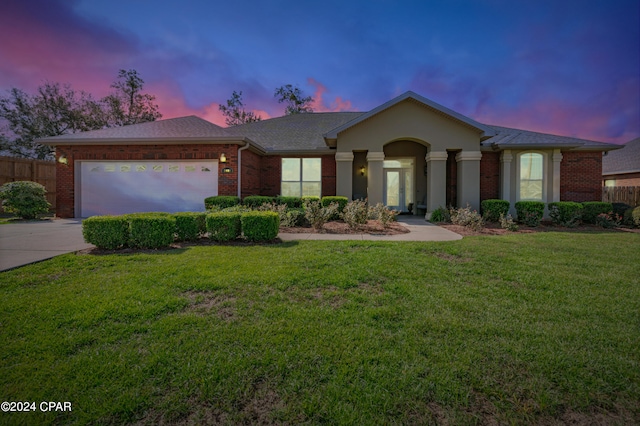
[300,180]
[545,163]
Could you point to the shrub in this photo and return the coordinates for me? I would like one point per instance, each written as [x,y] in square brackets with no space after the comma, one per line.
[565,213]
[221,201]
[309,198]
[190,225]
[224,226]
[290,202]
[24,198]
[493,209]
[529,212]
[627,217]
[255,201]
[355,213]
[151,230]
[236,209]
[316,214]
[506,222]
[384,215]
[295,217]
[260,225]
[440,215]
[341,201]
[280,210]
[608,220]
[591,210]
[620,208]
[635,215]
[106,232]
[467,217]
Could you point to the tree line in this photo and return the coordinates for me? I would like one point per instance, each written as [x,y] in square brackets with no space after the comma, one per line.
[57,109]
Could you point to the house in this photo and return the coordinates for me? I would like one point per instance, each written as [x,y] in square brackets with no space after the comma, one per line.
[407,153]
[622,167]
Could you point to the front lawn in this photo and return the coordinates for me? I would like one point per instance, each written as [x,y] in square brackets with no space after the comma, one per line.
[527,328]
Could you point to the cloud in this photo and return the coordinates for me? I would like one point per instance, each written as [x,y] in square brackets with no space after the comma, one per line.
[320,105]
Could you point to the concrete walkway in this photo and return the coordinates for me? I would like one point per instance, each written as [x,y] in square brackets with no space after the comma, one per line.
[29,242]
[420,230]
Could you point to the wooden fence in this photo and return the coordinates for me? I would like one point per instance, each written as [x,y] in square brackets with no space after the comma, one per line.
[43,172]
[622,194]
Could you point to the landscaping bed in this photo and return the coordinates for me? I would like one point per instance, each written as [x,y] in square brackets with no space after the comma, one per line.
[372,227]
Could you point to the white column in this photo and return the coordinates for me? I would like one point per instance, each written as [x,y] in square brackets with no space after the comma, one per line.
[344,174]
[436,180]
[557,159]
[375,177]
[505,177]
[469,178]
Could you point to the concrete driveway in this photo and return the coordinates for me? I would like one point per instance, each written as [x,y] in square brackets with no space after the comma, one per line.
[28,242]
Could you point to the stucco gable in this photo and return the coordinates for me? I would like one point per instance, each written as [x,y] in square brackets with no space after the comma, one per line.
[485,131]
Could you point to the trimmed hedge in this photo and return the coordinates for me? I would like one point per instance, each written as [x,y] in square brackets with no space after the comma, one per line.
[151,230]
[290,202]
[566,213]
[223,226]
[221,201]
[106,232]
[529,212]
[591,210]
[635,216]
[255,201]
[309,198]
[190,225]
[620,208]
[260,226]
[492,209]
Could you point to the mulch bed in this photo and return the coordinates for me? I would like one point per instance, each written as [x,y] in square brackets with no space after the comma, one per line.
[372,227]
[495,229]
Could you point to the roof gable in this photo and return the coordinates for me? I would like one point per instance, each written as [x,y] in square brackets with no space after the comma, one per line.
[624,160]
[485,131]
[508,138]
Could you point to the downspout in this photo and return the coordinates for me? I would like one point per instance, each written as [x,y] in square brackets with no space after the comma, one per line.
[248,145]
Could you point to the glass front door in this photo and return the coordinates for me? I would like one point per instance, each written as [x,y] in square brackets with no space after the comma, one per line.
[398,188]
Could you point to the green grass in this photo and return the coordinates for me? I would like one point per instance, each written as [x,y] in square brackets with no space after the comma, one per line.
[530,328]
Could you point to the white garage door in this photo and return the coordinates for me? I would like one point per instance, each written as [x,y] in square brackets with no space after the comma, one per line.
[120,187]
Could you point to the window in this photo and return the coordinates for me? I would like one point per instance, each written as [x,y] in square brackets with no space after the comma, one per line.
[531,176]
[301,177]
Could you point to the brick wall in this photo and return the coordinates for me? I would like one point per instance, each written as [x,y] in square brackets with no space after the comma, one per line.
[627,179]
[328,175]
[227,183]
[581,176]
[490,176]
[251,166]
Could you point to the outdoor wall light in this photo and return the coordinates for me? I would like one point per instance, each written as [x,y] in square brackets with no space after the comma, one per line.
[63,160]
[223,158]
[362,170]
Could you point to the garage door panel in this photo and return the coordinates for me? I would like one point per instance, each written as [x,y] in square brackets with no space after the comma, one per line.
[142,186]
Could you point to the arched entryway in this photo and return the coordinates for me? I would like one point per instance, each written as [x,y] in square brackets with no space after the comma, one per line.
[404,183]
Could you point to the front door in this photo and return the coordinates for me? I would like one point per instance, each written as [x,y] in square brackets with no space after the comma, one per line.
[397,188]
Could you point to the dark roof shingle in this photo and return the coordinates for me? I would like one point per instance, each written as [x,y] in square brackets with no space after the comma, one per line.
[625,160]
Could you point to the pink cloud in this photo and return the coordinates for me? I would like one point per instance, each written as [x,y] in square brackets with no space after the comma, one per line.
[319,104]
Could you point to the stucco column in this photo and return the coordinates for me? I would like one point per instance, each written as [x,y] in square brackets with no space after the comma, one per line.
[374,177]
[505,176]
[344,174]
[469,178]
[436,180]
[555,191]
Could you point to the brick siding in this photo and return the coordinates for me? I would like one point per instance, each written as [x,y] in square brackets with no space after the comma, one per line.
[581,176]
[490,176]
[251,172]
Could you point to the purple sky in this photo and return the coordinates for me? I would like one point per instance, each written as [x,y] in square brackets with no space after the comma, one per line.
[569,67]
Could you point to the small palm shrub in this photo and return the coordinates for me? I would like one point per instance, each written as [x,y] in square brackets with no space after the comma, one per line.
[492,209]
[355,213]
[317,214]
[440,215]
[24,198]
[467,217]
[529,213]
[341,201]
